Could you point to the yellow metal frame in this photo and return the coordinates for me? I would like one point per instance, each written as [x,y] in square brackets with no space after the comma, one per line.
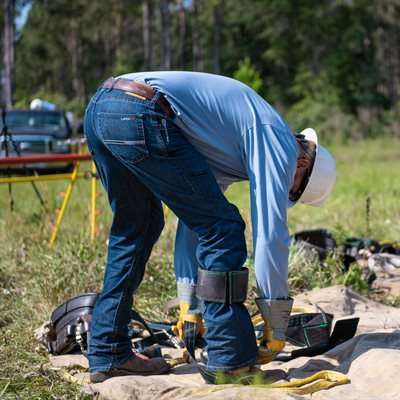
[65,203]
[38,178]
[72,179]
[67,196]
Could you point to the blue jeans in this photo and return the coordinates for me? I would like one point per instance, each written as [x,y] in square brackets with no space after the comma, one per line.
[142,159]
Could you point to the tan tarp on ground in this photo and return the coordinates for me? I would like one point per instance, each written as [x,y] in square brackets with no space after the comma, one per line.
[371,361]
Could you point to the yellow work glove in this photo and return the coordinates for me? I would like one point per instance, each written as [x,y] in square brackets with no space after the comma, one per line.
[276,314]
[184,316]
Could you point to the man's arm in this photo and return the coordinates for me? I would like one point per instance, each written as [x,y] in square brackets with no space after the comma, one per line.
[270,156]
[271,163]
[185,261]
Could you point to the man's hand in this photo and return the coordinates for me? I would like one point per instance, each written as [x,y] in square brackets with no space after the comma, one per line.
[184,316]
[276,314]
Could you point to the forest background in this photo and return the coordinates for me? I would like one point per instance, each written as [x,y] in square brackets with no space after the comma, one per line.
[330,64]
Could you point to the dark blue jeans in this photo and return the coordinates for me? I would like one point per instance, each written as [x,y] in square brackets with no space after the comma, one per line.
[142,159]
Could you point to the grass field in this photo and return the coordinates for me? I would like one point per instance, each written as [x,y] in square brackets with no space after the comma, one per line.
[34,279]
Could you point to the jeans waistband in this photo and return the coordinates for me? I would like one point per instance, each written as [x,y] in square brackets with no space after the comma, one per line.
[139,89]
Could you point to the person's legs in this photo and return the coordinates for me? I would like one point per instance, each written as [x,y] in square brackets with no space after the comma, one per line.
[137,223]
[162,159]
[186,268]
[190,190]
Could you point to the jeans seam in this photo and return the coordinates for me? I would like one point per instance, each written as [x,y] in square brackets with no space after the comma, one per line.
[123,142]
[153,117]
[120,96]
[230,368]
[182,174]
[118,99]
[131,268]
[156,129]
[108,142]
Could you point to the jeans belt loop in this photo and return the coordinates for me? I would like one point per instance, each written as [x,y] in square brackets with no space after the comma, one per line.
[114,81]
[154,100]
[101,86]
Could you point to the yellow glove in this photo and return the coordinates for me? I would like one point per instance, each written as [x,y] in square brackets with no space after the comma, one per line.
[184,316]
[276,314]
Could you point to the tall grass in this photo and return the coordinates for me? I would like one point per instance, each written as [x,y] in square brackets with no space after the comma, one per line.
[34,278]
[365,169]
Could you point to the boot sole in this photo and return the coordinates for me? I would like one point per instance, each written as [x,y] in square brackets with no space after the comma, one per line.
[99,376]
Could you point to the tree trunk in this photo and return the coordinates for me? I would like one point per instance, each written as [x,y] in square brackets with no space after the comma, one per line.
[76,50]
[148,34]
[218,14]
[165,40]
[8,50]
[196,38]
[182,34]
[387,43]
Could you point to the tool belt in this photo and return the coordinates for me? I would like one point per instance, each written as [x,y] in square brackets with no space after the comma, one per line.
[69,328]
[69,325]
[140,89]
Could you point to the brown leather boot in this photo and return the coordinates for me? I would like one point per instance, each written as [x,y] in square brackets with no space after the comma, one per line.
[135,366]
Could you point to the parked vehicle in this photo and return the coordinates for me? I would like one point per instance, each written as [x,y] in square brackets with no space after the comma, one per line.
[33,132]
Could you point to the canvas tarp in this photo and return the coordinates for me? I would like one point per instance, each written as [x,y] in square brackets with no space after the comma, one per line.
[371,361]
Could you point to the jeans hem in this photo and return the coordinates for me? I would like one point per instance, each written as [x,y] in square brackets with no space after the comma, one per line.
[224,368]
[112,364]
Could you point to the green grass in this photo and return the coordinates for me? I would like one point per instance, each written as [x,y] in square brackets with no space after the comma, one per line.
[34,278]
[365,169]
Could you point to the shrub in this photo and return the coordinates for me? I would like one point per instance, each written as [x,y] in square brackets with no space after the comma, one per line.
[248,75]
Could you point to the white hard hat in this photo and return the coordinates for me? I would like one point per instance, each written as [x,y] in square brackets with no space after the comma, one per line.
[323,174]
[36,104]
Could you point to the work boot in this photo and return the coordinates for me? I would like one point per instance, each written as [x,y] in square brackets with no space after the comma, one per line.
[135,366]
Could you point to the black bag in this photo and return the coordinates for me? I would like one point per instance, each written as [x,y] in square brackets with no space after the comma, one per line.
[320,240]
[69,330]
[312,332]
[69,325]
[352,248]
[344,330]
[309,329]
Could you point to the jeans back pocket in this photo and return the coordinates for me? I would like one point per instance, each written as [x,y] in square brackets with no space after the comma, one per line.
[123,134]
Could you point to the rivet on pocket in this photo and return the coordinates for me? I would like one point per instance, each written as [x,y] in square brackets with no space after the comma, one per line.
[164,123]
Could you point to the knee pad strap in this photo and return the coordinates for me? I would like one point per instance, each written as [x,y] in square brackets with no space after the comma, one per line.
[222,287]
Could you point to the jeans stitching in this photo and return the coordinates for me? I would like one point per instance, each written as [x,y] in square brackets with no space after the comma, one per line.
[124,142]
[108,142]
[132,267]
[124,98]
[182,174]
[220,367]
[156,129]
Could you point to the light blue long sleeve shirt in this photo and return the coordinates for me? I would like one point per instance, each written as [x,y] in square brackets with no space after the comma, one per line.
[242,138]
